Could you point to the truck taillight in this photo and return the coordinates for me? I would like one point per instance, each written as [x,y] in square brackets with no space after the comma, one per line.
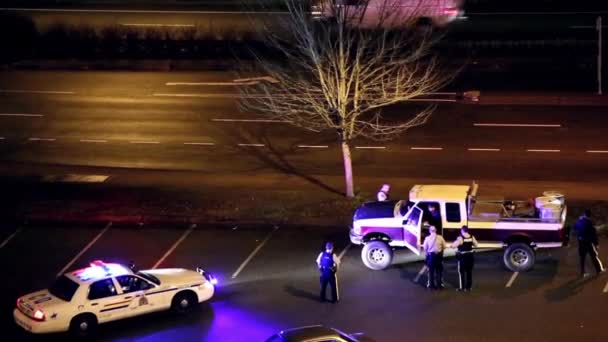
[39,315]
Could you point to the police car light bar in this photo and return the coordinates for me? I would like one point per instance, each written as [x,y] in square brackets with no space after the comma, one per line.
[99,269]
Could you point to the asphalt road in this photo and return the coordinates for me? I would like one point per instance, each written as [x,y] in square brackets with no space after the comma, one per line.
[136,121]
[277,288]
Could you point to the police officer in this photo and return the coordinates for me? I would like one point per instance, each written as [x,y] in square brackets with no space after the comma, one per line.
[466,259]
[433,246]
[587,242]
[328,263]
[382,195]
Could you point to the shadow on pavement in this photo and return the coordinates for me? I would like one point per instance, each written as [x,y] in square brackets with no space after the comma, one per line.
[301,293]
[568,289]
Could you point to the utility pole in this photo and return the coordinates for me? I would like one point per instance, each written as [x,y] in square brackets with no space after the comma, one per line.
[598,25]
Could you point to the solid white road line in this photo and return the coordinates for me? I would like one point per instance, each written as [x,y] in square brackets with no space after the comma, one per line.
[515,125]
[158,25]
[427,148]
[548,151]
[144,142]
[484,149]
[71,10]
[254,145]
[9,238]
[420,273]
[512,279]
[341,255]
[23,115]
[55,92]
[596,151]
[174,246]
[84,250]
[41,139]
[199,143]
[253,253]
[250,120]
[313,146]
[93,141]
[370,147]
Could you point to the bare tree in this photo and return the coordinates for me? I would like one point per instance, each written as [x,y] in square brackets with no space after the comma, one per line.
[337,73]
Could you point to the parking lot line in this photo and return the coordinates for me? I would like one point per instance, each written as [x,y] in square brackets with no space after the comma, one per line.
[172,248]
[512,279]
[9,238]
[344,251]
[420,273]
[605,288]
[255,251]
[84,250]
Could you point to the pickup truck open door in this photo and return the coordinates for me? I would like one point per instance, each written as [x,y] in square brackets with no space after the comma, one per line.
[412,229]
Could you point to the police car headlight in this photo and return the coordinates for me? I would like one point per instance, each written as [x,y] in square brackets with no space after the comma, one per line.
[208,276]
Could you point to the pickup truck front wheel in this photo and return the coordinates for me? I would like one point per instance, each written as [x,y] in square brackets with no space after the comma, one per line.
[519,257]
[377,255]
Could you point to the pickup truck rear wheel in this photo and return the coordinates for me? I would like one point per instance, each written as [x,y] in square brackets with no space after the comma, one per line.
[377,255]
[519,257]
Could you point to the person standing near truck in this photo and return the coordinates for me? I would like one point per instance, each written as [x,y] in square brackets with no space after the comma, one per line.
[382,195]
[433,246]
[328,263]
[465,243]
[587,242]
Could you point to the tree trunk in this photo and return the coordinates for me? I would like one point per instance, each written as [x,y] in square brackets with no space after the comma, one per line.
[348,169]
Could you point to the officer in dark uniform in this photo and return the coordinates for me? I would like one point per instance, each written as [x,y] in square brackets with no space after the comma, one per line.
[328,263]
[587,242]
[433,218]
[466,259]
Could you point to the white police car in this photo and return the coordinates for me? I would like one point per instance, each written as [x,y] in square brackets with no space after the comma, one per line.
[80,300]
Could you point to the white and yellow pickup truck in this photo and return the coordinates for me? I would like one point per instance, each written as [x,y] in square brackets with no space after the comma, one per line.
[520,227]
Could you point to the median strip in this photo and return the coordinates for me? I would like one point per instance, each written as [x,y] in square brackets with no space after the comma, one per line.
[174,246]
[253,253]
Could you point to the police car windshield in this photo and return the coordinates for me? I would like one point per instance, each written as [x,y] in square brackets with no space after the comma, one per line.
[149,277]
[64,288]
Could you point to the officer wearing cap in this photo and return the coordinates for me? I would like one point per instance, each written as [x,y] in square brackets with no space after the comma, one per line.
[466,259]
[328,263]
[588,242]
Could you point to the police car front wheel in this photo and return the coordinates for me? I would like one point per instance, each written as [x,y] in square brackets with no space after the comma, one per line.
[377,255]
[183,302]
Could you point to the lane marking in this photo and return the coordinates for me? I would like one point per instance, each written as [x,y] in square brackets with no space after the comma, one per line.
[341,255]
[84,250]
[75,178]
[41,139]
[548,151]
[605,288]
[9,238]
[427,148]
[249,120]
[431,100]
[93,141]
[71,10]
[313,146]
[1,138]
[420,273]
[144,142]
[484,149]
[262,96]
[515,125]
[254,145]
[597,151]
[174,246]
[158,25]
[55,92]
[512,279]
[23,115]
[199,143]
[255,251]
[370,147]
[203,83]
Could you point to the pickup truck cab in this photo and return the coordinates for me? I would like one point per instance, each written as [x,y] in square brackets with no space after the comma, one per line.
[520,227]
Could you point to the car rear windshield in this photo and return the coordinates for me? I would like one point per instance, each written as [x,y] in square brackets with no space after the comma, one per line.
[64,288]
[149,277]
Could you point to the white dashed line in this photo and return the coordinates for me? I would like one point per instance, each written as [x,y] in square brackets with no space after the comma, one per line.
[93,141]
[199,143]
[427,148]
[313,146]
[215,95]
[484,149]
[547,151]
[84,250]
[158,25]
[596,151]
[250,120]
[23,115]
[201,84]
[174,246]
[9,238]
[253,253]
[370,147]
[54,92]
[41,139]
[512,279]
[432,100]
[252,145]
[71,10]
[516,125]
[144,142]
[420,273]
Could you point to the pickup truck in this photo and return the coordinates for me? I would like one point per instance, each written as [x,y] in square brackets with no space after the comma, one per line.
[520,227]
